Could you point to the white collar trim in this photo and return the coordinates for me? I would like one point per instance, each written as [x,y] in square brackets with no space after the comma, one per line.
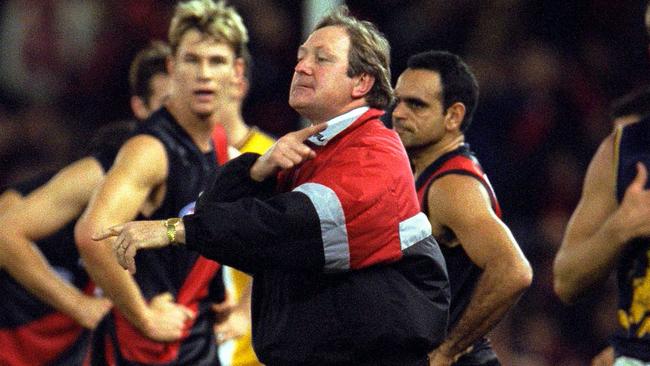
[336,125]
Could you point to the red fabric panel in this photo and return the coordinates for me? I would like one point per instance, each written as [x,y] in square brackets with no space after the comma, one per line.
[465,164]
[220,141]
[136,347]
[38,342]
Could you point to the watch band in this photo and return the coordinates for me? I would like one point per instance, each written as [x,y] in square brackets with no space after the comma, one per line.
[171,224]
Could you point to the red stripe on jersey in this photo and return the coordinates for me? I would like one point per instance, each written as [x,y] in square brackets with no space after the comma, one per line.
[220,142]
[39,342]
[136,347]
[460,163]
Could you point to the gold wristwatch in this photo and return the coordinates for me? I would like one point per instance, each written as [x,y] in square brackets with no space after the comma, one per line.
[171,225]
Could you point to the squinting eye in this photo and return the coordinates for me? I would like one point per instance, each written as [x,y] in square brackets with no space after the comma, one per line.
[415,104]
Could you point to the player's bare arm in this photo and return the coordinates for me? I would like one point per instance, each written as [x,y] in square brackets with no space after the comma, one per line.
[44,212]
[8,199]
[462,205]
[139,170]
[593,238]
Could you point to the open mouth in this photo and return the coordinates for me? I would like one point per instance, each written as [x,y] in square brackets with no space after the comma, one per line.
[204,94]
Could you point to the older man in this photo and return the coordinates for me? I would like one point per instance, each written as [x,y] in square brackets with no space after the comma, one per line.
[345,270]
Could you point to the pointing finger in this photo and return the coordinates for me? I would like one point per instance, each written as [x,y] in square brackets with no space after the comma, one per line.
[129,257]
[107,233]
[304,134]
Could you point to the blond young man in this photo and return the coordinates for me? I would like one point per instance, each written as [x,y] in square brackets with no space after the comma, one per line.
[163,315]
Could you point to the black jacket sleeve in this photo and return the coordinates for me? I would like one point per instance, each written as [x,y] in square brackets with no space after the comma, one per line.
[240,223]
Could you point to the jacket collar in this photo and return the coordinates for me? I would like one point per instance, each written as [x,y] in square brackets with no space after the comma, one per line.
[337,125]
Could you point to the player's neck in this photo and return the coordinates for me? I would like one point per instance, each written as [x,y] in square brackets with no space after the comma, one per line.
[199,128]
[236,129]
[424,156]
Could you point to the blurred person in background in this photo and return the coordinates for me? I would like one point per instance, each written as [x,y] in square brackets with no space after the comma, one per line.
[163,313]
[435,101]
[49,298]
[629,109]
[608,232]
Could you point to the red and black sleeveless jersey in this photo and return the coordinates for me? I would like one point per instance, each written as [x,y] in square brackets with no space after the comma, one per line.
[632,337]
[31,331]
[463,273]
[185,274]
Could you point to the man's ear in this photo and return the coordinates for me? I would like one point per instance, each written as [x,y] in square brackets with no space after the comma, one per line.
[454,116]
[240,67]
[139,108]
[240,82]
[362,85]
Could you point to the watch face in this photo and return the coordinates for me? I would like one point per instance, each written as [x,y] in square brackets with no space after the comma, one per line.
[171,229]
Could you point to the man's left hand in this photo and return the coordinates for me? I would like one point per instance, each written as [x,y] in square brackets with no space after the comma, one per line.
[132,236]
[236,325]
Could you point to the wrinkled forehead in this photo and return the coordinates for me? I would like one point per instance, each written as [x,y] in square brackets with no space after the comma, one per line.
[424,84]
[332,39]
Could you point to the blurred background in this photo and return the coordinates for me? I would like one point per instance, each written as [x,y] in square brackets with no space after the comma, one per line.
[548,70]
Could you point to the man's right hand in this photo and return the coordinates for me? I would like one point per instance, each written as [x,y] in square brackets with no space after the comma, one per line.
[635,207]
[289,151]
[165,319]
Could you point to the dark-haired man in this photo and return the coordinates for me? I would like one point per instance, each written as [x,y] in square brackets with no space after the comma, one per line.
[435,100]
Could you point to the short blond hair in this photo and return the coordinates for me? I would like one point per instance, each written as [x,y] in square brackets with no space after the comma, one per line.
[369,53]
[213,19]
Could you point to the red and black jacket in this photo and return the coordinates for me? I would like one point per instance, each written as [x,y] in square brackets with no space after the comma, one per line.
[345,268]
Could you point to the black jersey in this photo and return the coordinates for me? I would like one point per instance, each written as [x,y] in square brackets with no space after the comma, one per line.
[633,270]
[31,331]
[183,273]
[463,273]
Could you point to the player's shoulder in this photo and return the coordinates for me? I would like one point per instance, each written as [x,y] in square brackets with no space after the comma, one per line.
[143,145]
[143,155]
